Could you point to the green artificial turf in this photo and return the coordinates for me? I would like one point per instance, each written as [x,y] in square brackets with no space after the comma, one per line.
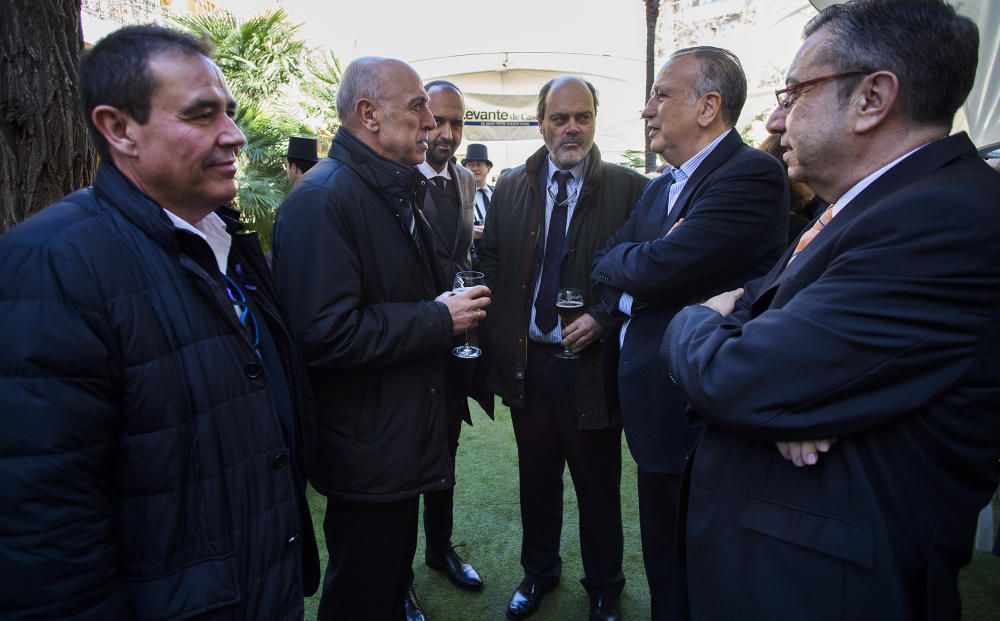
[488,535]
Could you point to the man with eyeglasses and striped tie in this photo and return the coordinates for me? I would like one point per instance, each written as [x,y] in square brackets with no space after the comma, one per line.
[870,354]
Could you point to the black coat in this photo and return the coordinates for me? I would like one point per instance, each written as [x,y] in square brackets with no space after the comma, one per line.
[509,258]
[360,297]
[145,472]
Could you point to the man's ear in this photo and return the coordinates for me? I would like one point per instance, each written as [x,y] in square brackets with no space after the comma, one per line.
[368,113]
[116,127]
[874,100]
[709,109]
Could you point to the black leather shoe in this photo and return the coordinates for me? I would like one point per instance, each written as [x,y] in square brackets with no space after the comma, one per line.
[526,599]
[461,574]
[604,608]
[414,612]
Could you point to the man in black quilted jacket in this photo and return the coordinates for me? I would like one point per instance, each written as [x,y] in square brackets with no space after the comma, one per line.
[156,414]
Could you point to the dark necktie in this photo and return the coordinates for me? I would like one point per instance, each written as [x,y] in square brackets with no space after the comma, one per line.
[440,182]
[482,207]
[548,287]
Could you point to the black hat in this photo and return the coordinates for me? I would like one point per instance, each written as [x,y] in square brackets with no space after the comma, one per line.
[477,153]
[300,148]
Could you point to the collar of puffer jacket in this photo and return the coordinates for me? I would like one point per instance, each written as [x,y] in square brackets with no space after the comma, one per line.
[383,175]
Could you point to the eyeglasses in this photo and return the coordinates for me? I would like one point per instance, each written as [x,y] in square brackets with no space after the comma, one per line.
[239,299]
[787,96]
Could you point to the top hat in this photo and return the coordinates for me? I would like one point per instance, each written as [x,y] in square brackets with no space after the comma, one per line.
[300,148]
[477,153]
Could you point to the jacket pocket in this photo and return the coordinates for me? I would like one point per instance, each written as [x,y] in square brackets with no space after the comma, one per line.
[369,411]
[187,592]
[836,537]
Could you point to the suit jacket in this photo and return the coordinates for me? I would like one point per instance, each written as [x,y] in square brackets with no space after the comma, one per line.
[735,228]
[457,248]
[452,256]
[885,333]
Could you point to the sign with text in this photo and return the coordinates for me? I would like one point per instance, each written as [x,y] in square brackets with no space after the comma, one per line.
[500,117]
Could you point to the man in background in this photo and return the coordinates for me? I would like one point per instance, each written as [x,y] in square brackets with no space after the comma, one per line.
[548,218]
[449,212]
[302,155]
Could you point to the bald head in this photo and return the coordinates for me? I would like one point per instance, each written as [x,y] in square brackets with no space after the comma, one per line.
[383,103]
[364,79]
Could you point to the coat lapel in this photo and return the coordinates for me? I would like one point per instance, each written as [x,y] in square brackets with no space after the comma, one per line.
[920,164]
[719,155]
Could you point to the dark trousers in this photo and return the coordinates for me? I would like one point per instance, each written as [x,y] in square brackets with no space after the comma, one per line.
[439,505]
[659,498]
[547,440]
[371,548]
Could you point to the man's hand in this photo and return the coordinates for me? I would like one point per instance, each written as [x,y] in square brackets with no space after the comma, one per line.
[805,452]
[580,333]
[679,222]
[466,308]
[724,303]
[477,232]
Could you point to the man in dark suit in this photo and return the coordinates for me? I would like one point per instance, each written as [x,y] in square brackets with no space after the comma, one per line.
[448,207]
[880,328]
[731,198]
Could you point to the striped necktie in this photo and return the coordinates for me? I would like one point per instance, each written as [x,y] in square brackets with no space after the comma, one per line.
[808,236]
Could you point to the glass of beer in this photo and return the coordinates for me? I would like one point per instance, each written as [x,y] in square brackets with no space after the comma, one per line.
[463,281]
[569,305]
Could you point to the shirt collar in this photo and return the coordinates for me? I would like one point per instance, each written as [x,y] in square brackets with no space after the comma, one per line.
[576,171]
[860,186]
[212,229]
[428,171]
[687,168]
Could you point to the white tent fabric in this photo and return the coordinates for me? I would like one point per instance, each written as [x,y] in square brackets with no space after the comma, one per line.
[982,108]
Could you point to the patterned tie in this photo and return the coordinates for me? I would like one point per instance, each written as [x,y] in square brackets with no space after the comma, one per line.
[548,287]
[481,207]
[808,236]
[407,212]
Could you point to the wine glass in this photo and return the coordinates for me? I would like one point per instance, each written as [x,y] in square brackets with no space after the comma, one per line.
[463,281]
[569,305]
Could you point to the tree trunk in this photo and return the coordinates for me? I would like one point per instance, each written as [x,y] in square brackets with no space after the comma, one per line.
[45,152]
[652,15]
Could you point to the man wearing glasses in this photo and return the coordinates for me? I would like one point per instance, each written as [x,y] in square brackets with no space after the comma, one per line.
[870,354]
[156,414]
[712,222]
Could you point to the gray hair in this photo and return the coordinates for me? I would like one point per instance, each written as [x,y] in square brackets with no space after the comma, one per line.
[360,81]
[931,50]
[720,71]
